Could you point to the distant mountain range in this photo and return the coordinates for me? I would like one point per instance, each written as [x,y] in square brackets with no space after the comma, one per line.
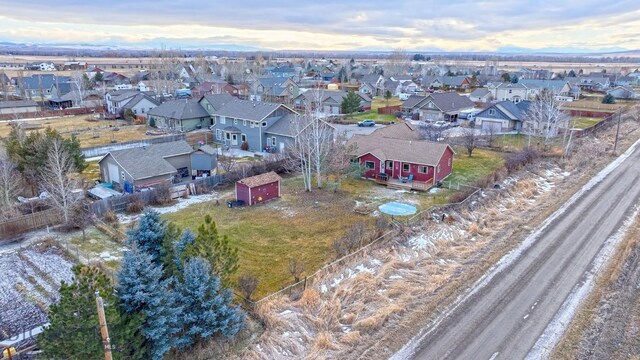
[95,49]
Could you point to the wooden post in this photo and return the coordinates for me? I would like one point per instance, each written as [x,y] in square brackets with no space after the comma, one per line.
[104,331]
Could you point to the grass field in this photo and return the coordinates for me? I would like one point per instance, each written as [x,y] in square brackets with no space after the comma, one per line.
[583,122]
[90,133]
[592,104]
[372,115]
[468,170]
[378,102]
[300,225]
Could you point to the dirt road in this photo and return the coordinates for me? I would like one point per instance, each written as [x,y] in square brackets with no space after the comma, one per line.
[506,312]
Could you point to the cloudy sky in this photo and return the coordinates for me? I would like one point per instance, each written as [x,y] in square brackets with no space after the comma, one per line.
[453,25]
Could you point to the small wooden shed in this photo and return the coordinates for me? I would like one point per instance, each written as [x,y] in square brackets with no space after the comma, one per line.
[259,188]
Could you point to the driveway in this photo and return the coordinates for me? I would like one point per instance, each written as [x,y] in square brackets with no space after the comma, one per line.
[350,130]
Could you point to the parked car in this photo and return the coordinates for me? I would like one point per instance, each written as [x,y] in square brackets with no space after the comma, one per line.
[367,122]
[440,124]
[235,203]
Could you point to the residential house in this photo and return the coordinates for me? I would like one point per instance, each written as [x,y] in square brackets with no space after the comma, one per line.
[208,87]
[503,116]
[137,168]
[75,98]
[281,71]
[275,89]
[529,89]
[328,102]
[236,121]
[482,95]
[431,82]
[38,86]
[4,79]
[117,99]
[623,92]
[438,106]
[402,163]
[372,85]
[592,83]
[179,115]
[18,107]
[111,79]
[140,105]
[238,90]
[47,66]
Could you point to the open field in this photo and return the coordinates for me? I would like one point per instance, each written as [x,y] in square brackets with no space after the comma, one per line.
[300,225]
[592,104]
[89,131]
[371,115]
[379,101]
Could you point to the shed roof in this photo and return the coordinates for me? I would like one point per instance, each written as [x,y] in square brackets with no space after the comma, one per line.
[149,161]
[259,180]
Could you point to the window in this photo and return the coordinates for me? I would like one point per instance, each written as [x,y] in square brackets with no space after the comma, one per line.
[135,111]
[143,109]
[218,134]
[406,167]
[264,124]
[251,124]
[389,164]
[243,137]
[438,169]
[228,136]
[223,120]
[510,91]
[492,111]
[273,141]
[244,122]
[235,121]
[208,106]
[422,169]
[369,165]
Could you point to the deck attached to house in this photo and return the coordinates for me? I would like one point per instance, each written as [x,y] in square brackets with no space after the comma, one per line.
[404,184]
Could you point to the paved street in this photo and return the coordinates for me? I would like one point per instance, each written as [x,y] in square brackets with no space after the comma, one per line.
[504,318]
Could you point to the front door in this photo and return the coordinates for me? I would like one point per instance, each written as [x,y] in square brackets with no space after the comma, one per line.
[234,139]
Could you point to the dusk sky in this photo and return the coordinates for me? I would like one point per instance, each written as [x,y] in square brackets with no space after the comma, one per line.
[454,25]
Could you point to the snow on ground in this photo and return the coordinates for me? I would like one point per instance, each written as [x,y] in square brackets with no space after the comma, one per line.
[29,284]
[180,205]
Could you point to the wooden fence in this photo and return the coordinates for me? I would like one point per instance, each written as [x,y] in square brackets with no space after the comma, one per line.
[53,113]
[389,110]
[30,222]
[119,203]
[100,150]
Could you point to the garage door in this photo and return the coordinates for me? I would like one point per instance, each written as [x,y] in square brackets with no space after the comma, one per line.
[113,172]
[491,126]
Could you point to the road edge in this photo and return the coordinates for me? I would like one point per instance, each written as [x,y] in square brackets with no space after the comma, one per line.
[409,349]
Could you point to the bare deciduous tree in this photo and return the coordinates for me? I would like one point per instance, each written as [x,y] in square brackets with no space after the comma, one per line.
[247,285]
[470,139]
[56,180]
[296,268]
[225,161]
[10,181]
[545,118]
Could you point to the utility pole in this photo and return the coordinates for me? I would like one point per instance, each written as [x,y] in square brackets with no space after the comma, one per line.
[615,144]
[104,331]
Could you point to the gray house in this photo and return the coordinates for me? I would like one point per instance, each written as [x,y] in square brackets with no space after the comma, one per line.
[438,106]
[203,161]
[236,121]
[133,169]
[179,115]
[141,104]
[503,116]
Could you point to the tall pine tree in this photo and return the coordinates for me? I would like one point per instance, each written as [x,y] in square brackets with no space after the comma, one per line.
[215,249]
[149,235]
[74,329]
[142,290]
[210,310]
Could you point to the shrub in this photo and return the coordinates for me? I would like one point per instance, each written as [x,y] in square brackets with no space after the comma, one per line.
[135,205]
[247,285]
[517,160]
[244,146]
[461,195]
[161,195]
[110,218]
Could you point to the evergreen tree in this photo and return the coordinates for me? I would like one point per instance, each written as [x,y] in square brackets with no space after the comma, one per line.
[210,310]
[74,329]
[514,79]
[350,103]
[148,236]
[571,73]
[142,290]
[608,99]
[171,236]
[506,77]
[387,96]
[98,77]
[216,249]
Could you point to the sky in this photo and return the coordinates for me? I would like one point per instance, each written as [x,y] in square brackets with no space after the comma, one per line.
[429,25]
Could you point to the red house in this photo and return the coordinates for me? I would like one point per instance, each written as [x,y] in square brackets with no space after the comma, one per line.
[259,188]
[403,163]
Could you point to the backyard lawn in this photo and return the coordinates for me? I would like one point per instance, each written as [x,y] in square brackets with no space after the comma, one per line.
[468,170]
[300,225]
[583,122]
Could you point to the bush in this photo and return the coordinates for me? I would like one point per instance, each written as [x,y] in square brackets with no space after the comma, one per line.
[517,160]
[244,146]
[247,285]
[135,205]
[161,195]
[608,99]
[110,218]
[398,114]
[461,195]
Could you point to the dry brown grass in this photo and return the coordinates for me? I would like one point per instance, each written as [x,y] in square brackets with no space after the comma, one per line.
[351,338]
[376,321]
[324,341]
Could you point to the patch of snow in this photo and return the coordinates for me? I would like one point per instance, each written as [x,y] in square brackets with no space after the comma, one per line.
[434,190]
[395,277]
[566,173]
[286,312]
[181,204]
[323,289]
[421,242]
